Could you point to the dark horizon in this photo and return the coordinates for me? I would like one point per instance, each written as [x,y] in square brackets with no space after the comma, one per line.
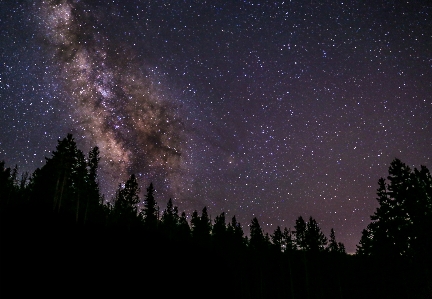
[55,219]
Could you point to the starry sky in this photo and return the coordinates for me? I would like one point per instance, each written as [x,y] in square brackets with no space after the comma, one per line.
[267,109]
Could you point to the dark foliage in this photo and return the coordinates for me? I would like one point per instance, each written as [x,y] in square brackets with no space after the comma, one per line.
[402,224]
[58,237]
[150,210]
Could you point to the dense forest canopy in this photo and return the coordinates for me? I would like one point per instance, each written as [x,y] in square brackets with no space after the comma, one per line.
[65,193]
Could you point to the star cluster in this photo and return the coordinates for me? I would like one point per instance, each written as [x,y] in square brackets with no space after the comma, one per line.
[267,109]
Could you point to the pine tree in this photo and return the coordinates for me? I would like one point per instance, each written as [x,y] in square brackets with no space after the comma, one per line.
[6,184]
[421,214]
[94,196]
[126,201]
[63,160]
[219,231]
[315,240]
[205,222]
[341,248]
[195,223]
[184,231]
[150,210]
[277,239]
[365,245]
[289,243]
[257,239]
[235,234]
[404,214]
[65,183]
[62,182]
[169,220]
[401,193]
[300,233]
[201,227]
[80,181]
[333,245]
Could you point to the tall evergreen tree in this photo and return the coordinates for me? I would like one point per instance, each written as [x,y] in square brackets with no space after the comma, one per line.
[332,245]
[289,243]
[80,182]
[7,185]
[150,209]
[420,236]
[277,239]
[125,207]
[201,227]
[257,238]
[62,182]
[403,215]
[219,231]
[63,161]
[195,223]
[300,233]
[205,221]
[365,245]
[235,234]
[94,196]
[314,238]
[169,220]
[184,231]
[341,248]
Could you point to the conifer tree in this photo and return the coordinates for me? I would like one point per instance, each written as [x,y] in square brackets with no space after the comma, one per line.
[201,227]
[419,233]
[6,184]
[126,201]
[205,222]
[235,234]
[300,233]
[184,231]
[93,197]
[314,238]
[62,181]
[63,160]
[289,243]
[277,239]
[80,182]
[257,238]
[365,245]
[170,219]
[400,224]
[194,223]
[219,231]
[150,209]
[341,248]
[333,245]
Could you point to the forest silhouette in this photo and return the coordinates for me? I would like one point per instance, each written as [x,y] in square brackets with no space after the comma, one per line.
[59,236]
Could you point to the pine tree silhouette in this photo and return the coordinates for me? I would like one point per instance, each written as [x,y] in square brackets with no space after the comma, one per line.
[400,224]
[314,238]
[125,208]
[300,233]
[150,210]
[277,239]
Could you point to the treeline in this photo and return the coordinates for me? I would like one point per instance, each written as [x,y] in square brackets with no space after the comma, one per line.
[402,224]
[57,219]
[67,185]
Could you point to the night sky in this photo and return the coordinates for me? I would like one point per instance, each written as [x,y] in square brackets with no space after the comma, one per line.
[273,109]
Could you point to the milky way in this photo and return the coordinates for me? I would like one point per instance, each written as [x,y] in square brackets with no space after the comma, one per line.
[115,103]
[269,109]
